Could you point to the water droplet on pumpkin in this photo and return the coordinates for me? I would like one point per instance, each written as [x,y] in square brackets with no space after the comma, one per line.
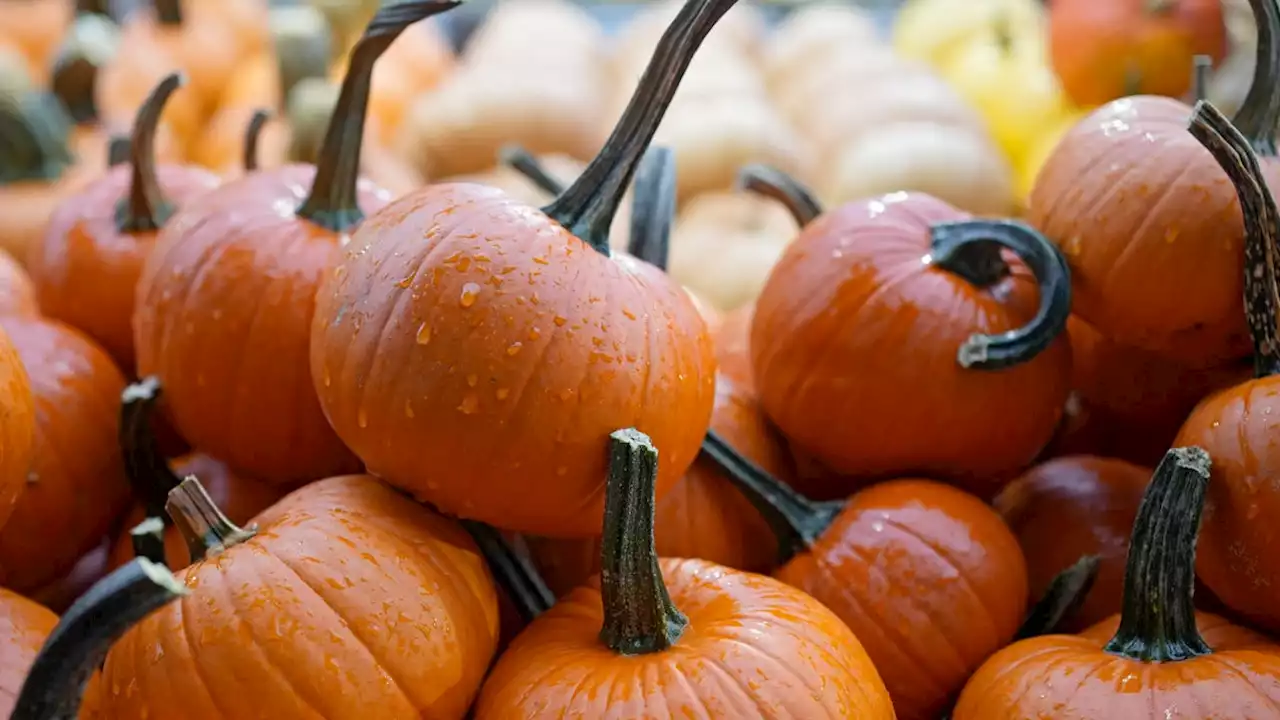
[408,408]
[362,418]
[339,271]
[326,377]
[562,471]
[630,315]
[470,404]
[408,280]
[502,393]
[424,334]
[559,321]
[472,380]
[541,260]
[514,348]
[469,293]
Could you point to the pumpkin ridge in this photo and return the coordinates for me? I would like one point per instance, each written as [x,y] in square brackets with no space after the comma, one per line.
[252,134]
[1227,662]
[730,682]
[188,639]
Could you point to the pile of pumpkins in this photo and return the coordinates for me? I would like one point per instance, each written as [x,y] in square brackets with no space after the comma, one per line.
[299,433]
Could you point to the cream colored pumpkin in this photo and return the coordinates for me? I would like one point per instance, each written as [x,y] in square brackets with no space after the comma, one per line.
[810,35]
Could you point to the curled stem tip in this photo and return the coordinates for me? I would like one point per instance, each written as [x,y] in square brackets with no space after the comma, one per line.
[1259,112]
[203,526]
[653,207]
[513,570]
[778,185]
[145,208]
[145,467]
[523,162]
[252,133]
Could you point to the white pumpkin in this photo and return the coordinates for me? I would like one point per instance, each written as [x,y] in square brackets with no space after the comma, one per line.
[810,35]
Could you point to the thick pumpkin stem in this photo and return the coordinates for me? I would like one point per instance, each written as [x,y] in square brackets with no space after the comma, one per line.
[796,520]
[168,12]
[91,42]
[332,201]
[35,135]
[119,148]
[1260,111]
[99,7]
[145,208]
[639,616]
[1158,614]
[653,207]
[1063,597]
[971,249]
[55,685]
[523,162]
[147,539]
[203,526]
[1201,65]
[147,470]
[1261,230]
[588,207]
[513,570]
[252,133]
[777,185]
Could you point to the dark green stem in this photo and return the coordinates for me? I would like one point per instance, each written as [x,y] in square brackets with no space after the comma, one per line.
[513,570]
[1261,230]
[203,526]
[145,208]
[168,12]
[523,162]
[54,687]
[653,207]
[147,538]
[1062,598]
[971,249]
[1201,65]
[35,135]
[252,133]
[93,7]
[796,520]
[639,616]
[146,469]
[587,207]
[777,185]
[332,203]
[1158,613]
[91,43]
[119,148]
[1260,110]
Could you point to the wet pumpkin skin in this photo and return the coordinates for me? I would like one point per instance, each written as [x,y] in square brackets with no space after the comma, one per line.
[24,625]
[17,427]
[313,588]
[17,292]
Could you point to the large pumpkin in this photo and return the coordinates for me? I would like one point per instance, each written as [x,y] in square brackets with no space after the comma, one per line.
[24,625]
[17,428]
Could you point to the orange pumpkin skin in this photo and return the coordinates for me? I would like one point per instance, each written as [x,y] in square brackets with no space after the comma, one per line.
[463,330]
[223,318]
[76,488]
[123,85]
[1070,507]
[1105,49]
[825,378]
[35,27]
[315,586]
[1152,230]
[86,270]
[24,625]
[17,427]
[17,292]
[742,628]
[935,568]
[733,354]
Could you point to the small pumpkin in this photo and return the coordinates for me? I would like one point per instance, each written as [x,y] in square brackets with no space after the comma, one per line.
[63,592]
[931,30]
[676,619]
[26,624]
[17,428]
[86,268]
[301,47]
[732,338]
[318,577]
[809,34]
[35,28]
[90,42]
[1155,664]
[17,291]
[484,305]
[981,305]
[245,272]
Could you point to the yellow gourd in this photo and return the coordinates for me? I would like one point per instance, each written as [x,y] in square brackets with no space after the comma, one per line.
[929,30]
[1040,148]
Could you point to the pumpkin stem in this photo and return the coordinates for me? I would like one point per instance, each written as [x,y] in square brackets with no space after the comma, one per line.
[522,161]
[513,570]
[92,7]
[796,520]
[1158,614]
[147,539]
[1260,111]
[303,43]
[119,148]
[1261,231]
[35,134]
[653,207]
[588,206]
[252,133]
[1003,34]
[168,12]
[1200,68]
[778,185]
[145,209]
[331,203]
[91,42]
[54,687]
[971,249]
[639,616]
[1061,599]
[147,470]
[203,526]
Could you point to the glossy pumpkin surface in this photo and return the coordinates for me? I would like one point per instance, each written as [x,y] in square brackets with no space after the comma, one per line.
[17,427]
[24,625]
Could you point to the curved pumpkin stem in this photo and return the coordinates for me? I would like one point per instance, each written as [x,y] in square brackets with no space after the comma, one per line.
[168,12]
[147,539]
[653,207]
[252,133]
[1260,110]
[55,685]
[35,135]
[1061,599]
[796,520]
[587,208]
[145,209]
[1200,68]
[91,7]
[147,470]
[119,148]
[639,616]
[203,526]
[1158,614]
[1261,229]
[971,249]
[332,202]
[522,161]
[513,570]
[777,185]
[91,42]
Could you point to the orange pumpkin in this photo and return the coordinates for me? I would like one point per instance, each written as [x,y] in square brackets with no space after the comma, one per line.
[675,619]
[326,566]
[1155,665]
[732,338]
[35,27]
[896,334]
[17,292]
[504,332]
[86,269]
[75,488]
[17,431]
[26,624]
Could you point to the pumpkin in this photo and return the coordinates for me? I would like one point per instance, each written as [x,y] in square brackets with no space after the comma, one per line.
[88,570]
[522,593]
[152,478]
[86,268]
[646,618]
[1236,559]
[35,28]
[931,30]
[90,42]
[1155,664]
[325,566]
[808,35]
[301,47]
[1104,50]
[17,292]
[982,315]
[1038,153]
[25,625]
[246,272]
[17,432]
[486,306]
[75,487]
